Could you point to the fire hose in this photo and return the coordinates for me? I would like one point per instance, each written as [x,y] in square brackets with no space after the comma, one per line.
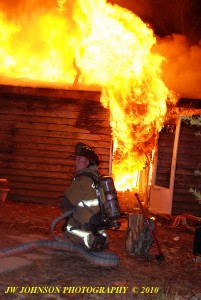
[103,259]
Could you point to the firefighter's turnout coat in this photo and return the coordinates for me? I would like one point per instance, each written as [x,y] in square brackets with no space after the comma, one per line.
[81,195]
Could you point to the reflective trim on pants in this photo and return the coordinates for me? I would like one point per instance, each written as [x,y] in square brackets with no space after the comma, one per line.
[85,235]
[80,233]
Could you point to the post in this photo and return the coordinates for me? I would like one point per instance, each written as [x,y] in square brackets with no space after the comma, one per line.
[139,240]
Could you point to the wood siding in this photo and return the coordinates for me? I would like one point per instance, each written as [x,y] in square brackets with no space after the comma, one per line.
[38,131]
[165,150]
[188,160]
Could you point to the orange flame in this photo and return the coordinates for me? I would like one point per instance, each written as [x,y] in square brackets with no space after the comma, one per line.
[112,48]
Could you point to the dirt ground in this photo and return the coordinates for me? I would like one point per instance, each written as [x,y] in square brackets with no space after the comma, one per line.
[177,277]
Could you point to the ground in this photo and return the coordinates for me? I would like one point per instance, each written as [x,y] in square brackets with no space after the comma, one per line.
[177,277]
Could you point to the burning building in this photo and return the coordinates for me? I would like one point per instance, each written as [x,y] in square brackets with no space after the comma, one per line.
[83,70]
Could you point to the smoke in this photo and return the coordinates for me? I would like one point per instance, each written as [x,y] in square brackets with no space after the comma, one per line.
[181,68]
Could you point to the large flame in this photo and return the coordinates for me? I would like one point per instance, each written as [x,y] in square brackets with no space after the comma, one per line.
[107,46]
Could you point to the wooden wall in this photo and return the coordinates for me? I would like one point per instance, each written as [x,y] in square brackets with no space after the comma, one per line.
[188,160]
[165,150]
[38,131]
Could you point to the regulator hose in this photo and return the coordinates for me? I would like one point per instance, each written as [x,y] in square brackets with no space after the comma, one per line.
[103,259]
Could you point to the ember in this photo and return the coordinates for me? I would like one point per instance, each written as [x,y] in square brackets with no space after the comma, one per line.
[109,48]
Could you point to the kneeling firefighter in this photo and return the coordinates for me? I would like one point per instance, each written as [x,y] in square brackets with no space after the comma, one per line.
[93,200]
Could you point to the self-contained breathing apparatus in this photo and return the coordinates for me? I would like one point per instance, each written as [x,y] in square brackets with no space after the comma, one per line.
[108,201]
[109,209]
[109,205]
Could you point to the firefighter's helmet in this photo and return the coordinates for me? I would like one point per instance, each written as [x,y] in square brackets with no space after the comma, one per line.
[82,149]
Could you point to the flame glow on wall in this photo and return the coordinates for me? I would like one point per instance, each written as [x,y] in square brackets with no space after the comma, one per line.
[112,49]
